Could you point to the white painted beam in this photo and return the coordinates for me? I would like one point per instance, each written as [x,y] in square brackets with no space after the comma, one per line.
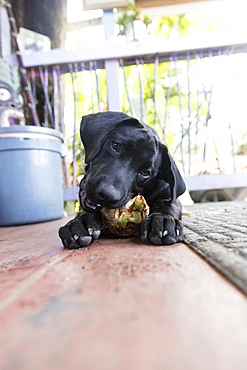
[221,181]
[112,83]
[182,44]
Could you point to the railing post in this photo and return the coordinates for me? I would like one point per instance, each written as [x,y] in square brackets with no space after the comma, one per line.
[5,40]
[112,82]
[111,66]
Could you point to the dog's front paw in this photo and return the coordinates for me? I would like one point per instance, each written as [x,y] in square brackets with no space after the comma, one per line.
[80,231]
[161,229]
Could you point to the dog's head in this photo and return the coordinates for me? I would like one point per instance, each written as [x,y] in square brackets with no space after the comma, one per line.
[124,157]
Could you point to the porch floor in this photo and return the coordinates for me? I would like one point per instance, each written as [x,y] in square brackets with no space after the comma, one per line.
[121,304]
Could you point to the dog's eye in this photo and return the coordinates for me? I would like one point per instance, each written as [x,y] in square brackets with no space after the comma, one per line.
[116,146]
[145,173]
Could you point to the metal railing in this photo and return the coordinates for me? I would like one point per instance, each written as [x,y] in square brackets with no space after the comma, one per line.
[164,74]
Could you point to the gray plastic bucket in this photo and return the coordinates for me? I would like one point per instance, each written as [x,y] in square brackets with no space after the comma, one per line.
[31,179]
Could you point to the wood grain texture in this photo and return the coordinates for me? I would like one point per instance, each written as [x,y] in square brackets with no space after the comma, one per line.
[218,233]
[118,305]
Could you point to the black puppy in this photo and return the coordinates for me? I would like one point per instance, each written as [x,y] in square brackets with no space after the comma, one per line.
[125,157]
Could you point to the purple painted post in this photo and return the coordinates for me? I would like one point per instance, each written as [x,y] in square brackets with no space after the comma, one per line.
[44,81]
[24,74]
[42,77]
[55,96]
[60,98]
[66,180]
[33,75]
[1,47]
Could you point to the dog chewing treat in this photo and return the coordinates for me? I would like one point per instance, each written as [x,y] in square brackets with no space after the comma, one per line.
[125,157]
[126,220]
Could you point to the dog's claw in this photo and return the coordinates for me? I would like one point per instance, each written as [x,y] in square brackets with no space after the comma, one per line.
[96,234]
[85,240]
[156,240]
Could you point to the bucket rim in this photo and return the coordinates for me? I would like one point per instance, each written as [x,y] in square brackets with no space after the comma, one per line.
[33,130]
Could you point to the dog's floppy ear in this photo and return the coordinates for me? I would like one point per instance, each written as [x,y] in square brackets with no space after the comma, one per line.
[95,128]
[170,173]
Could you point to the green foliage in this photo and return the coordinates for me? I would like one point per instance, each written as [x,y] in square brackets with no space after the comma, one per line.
[128,16]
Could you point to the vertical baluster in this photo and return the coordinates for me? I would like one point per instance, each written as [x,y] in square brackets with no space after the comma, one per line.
[233,148]
[168,96]
[55,96]
[189,108]
[24,74]
[46,82]
[44,90]
[33,75]
[152,92]
[91,72]
[97,85]
[126,86]
[82,70]
[1,46]
[156,66]
[61,120]
[141,89]
[74,135]
[60,98]
[181,108]
[226,53]
[77,91]
[77,103]
[198,107]
[208,98]
[147,79]
[47,100]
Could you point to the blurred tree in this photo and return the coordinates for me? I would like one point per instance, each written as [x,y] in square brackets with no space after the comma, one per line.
[45,17]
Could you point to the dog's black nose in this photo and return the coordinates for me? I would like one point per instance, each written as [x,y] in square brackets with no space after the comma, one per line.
[108,194]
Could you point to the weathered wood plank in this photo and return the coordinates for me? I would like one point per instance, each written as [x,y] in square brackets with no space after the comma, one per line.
[118,305]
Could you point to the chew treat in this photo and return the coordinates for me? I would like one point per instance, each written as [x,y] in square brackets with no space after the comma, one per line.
[126,221]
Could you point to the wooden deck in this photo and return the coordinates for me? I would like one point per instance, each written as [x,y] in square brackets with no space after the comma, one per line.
[118,305]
